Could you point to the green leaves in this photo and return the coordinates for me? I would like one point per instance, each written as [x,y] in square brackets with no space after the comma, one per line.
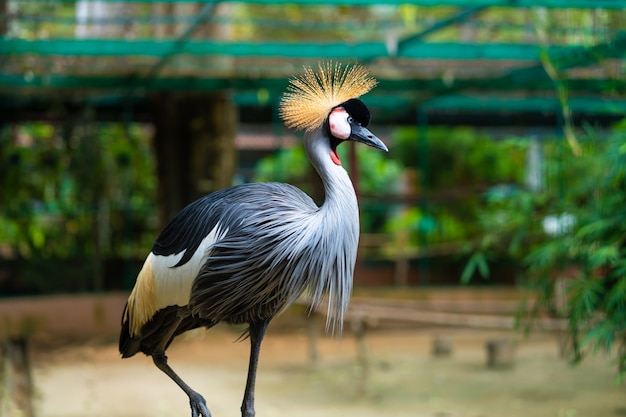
[286,165]
[616,298]
[571,232]
[585,296]
[476,263]
[601,336]
[462,155]
[55,182]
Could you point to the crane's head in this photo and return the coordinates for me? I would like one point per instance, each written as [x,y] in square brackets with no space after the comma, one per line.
[328,99]
[348,121]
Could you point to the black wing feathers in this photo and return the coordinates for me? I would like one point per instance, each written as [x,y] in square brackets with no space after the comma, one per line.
[187,229]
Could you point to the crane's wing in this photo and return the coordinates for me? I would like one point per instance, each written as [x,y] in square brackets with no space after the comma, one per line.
[271,251]
[193,236]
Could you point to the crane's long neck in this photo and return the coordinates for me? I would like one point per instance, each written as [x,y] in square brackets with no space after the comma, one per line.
[340,197]
[336,226]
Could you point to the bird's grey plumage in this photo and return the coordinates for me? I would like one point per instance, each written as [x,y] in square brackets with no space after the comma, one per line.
[243,254]
[275,243]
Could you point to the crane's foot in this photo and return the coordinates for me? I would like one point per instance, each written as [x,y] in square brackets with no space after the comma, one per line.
[198,406]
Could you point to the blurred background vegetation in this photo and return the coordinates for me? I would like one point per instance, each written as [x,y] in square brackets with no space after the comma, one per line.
[72,198]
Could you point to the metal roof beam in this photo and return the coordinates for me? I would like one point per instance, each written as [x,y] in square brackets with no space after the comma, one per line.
[395,48]
[362,51]
[590,105]
[18,82]
[207,11]
[527,77]
[553,4]
[442,24]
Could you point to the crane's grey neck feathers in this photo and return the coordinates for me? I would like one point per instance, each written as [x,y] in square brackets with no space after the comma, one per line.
[339,229]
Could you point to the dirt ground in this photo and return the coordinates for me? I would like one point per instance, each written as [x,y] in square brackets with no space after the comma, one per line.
[404,379]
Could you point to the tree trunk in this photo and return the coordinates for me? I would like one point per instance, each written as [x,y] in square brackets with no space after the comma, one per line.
[194,146]
[4,23]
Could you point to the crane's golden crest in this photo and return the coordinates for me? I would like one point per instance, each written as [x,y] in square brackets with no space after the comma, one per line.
[310,97]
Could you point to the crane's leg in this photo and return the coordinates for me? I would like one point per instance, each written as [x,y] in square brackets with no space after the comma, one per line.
[196,401]
[257,331]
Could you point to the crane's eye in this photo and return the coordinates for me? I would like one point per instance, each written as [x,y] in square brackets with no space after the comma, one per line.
[350,119]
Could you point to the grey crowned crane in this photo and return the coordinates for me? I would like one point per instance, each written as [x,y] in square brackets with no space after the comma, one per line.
[243,254]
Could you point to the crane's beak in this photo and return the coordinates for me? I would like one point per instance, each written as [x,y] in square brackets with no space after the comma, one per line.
[360,134]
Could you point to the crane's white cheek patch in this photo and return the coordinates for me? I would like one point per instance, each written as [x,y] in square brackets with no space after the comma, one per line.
[338,122]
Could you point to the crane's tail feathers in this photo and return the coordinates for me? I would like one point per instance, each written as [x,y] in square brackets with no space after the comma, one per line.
[128,345]
[159,331]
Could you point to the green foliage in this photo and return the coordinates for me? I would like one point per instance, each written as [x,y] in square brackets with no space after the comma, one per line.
[66,193]
[460,156]
[573,231]
[286,165]
[454,165]
[411,228]
[378,174]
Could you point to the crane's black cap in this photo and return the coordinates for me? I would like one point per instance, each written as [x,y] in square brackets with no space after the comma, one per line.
[357,109]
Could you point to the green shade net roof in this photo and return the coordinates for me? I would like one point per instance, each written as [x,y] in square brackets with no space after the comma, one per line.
[457,55]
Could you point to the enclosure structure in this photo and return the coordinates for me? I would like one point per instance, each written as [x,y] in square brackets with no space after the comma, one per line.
[507,57]
[195,70]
